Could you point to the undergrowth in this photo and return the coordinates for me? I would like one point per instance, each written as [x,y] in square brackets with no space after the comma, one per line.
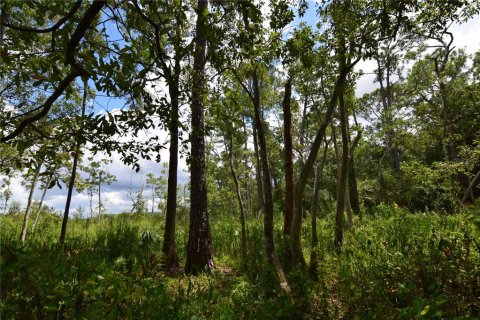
[394,265]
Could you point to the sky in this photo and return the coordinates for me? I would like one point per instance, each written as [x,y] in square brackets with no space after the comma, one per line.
[115,197]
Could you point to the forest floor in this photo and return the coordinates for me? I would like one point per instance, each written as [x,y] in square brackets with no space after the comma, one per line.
[394,265]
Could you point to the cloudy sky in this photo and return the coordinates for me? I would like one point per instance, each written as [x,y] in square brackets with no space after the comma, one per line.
[115,196]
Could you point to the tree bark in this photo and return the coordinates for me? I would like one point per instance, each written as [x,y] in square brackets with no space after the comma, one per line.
[23,233]
[169,247]
[268,234]
[353,198]
[3,20]
[289,187]
[342,175]
[303,125]
[353,187]
[199,246]
[258,172]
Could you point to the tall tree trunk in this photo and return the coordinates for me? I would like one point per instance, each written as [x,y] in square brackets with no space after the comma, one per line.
[342,175]
[258,172]
[353,198]
[316,188]
[23,233]
[40,205]
[243,240]
[169,247]
[246,179]
[268,234]
[199,246]
[99,195]
[73,175]
[3,19]
[297,254]
[289,187]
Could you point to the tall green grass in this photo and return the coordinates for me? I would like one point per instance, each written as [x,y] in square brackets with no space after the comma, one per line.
[394,265]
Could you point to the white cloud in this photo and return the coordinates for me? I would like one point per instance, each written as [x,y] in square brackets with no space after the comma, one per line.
[466,35]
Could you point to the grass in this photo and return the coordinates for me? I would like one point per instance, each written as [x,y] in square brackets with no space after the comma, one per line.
[395,265]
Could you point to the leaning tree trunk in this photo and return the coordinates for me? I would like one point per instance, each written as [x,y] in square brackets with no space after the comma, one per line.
[289,187]
[40,205]
[199,246]
[169,247]
[268,235]
[468,193]
[295,244]
[23,233]
[73,175]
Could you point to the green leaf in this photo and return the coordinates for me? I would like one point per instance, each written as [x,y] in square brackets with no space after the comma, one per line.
[425,310]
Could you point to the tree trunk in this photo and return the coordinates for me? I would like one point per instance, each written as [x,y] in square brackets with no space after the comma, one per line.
[297,255]
[303,124]
[349,208]
[316,188]
[169,247]
[268,234]
[258,173]
[153,196]
[41,204]
[342,175]
[243,240]
[353,198]
[289,187]
[71,183]
[353,187]
[199,246]
[468,193]
[23,233]
[384,75]
[3,19]
[99,195]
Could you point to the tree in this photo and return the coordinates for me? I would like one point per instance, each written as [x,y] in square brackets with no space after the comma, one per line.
[78,142]
[97,175]
[5,193]
[36,173]
[199,246]
[157,187]
[289,181]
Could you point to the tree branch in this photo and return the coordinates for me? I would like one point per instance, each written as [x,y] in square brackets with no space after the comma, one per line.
[53,28]
[76,70]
